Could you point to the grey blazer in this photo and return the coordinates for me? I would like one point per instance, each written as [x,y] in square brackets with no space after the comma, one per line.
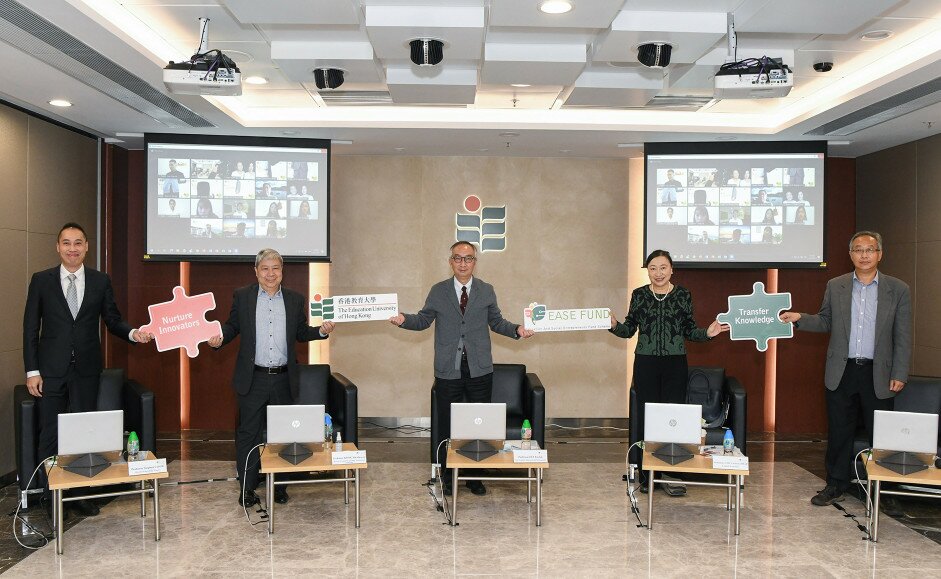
[452,330]
[893,346]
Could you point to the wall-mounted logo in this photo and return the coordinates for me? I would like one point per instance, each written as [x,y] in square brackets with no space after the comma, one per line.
[485,227]
[321,307]
[535,312]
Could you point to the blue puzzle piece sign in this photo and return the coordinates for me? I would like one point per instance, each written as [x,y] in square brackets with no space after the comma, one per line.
[755,316]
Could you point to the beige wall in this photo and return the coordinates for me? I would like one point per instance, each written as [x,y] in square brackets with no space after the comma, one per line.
[899,195]
[48,176]
[392,224]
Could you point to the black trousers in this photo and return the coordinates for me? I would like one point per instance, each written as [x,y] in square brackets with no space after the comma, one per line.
[70,393]
[658,379]
[266,389]
[852,402]
[462,389]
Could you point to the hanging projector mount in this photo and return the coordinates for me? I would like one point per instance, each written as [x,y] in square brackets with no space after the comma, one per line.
[208,72]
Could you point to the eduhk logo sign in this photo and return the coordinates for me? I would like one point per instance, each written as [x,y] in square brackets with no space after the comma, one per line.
[483,226]
[321,307]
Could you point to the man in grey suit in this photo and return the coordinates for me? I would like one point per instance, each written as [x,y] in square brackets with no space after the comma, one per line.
[869,317]
[465,310]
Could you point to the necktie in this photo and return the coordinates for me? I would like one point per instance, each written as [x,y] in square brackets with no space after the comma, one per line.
[71,296]
[463,299]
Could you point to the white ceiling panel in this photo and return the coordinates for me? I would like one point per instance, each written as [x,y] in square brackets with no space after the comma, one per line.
[852,43]
[690,33]
[916,9]
[390,28]
[532,63]
[330,12]
[299,59]
[625,87]
[438,86]
[682,5]
[803,16]
[181,23]
[586,14]
[515,100]
[277,98]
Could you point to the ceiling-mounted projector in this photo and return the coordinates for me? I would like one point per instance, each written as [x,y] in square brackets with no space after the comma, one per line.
[208,72]
[753,78]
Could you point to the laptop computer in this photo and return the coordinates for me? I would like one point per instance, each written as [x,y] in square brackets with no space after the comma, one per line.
[671,425]
[86,435]
[905,435]
[478,422]
[296,426]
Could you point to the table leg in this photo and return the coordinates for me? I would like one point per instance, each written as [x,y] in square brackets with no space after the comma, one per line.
[156,509]
[875,512]
[529,485]
[650,488]
[738,502]
[728,493]
[269,499]
[143,499]
[539,498]
[454,472]
[60,528]
[869,502]
[346,487]
[356,489]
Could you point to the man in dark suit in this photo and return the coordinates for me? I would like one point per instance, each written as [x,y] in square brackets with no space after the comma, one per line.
[270,318]
[869,317]
[61,345]
[464,309]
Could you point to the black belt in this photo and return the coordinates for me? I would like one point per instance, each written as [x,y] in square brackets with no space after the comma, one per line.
[862,361]
[274,370]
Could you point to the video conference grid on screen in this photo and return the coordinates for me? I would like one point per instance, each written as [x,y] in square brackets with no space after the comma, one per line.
[736,208]
[227,201]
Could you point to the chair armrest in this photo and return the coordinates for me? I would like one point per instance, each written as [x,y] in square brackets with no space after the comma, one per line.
[738,411]
[634,433]
[536,400]
[343,396]
[26,430]
[139,414]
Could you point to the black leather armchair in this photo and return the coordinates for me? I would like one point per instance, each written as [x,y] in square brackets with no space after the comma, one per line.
[317,385]
[114,393]
[921,394]
[724,406]
[525,398]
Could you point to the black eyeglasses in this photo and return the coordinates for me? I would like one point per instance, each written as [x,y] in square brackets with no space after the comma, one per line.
[464,258]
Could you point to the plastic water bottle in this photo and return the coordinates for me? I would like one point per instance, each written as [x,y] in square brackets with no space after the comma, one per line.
[728,442]
[339,445]
[133,445]
[327,431]
[526,435]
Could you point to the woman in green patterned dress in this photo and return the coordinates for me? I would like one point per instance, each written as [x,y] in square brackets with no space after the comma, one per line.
[663,314]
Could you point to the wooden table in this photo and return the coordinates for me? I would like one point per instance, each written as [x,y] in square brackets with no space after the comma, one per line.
[700,464]
[61,480]
[878,474]
[272,464]
[501,460]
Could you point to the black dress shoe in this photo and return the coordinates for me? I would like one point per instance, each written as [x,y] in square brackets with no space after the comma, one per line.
[280,495]
[829,495]
[84,508]
[248,499]
[890,506]
[448,490]
[476,487]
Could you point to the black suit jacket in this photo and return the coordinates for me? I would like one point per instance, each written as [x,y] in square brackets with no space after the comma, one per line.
[242,321]
[50,335]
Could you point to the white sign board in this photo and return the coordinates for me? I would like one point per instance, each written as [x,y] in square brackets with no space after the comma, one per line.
[358,308]
[530,455]
[729,462]
[349,457]
[539,318]
[143,467]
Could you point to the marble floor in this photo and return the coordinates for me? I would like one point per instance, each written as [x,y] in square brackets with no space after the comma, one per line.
[588,528]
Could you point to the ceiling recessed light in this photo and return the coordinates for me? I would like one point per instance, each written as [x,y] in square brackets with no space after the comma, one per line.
[565,150]
[556,6]
[483,150]
[873,35]
[60,103]
[509,134]
[256,80]
[400,148]
[726,138]
[289,133]
[521,85]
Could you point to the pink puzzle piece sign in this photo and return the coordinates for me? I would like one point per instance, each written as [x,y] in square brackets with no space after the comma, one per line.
[181,322]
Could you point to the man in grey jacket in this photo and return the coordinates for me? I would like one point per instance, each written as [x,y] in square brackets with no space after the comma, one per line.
[869,317]
[465,310]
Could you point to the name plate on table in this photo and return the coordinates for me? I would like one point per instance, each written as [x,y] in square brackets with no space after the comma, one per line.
[349,457]
[729,462]
[359,308]
[530,455]
[142,467]
[540,319]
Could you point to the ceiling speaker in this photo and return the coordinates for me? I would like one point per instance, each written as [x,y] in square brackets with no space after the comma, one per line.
[328,77]
[426,51]
[654,54]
